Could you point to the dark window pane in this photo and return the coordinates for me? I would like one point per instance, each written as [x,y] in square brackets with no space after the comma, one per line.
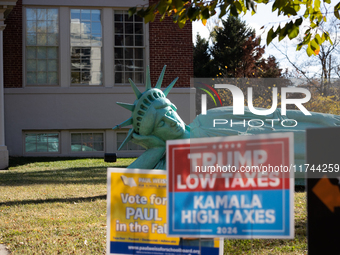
[139,53]
[118,17]
[129,40]
[139,40]
[139,64]
[139,77]
[41,147]
[118,53]
[118,77]
[127,76]
[127,18]
[86,77]
[119,64]
[98,147]
[119,40]
[128,28]
[139,28]
[128,53]
[138,19]
[119,28]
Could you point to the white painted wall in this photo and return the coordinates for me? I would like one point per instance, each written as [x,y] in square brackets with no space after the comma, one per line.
[75,109]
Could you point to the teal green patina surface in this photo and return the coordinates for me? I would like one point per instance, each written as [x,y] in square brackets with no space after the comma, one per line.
[155,120]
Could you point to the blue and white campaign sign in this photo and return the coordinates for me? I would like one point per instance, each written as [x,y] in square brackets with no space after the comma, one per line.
[235,187]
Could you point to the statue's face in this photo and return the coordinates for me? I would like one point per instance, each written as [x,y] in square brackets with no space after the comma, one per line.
[168,125]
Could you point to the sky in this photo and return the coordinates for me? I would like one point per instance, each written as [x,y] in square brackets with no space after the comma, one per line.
[265,17]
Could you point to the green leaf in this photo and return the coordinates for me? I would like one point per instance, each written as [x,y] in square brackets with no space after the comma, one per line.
[336,14]
[181,22]
[293,32]
[318,39]
[282,34]
[323,38]
[289,11]
[309,51]
[205,13]
[306,38]
[314,45]
[313,25]
[233,10]
[149,15]
[270,36]
[298,22]
[317,5]
[336,10]
[328,38]
[284,30]
[162,7]
[178,4]
[132,11]
[306,14]
[299,46]
[238,6]
[223,9]
[327,1]
[276,5]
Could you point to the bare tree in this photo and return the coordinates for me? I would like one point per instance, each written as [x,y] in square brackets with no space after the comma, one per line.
[321,70]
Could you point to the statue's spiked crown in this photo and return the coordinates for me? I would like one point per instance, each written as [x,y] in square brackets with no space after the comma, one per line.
[143,103]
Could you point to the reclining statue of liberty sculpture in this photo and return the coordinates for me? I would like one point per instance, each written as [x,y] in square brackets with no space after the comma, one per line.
[154,120]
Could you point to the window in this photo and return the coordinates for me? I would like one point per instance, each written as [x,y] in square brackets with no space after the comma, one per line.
[41,46]
[129,48]
[42,142]
[78,53]
[86,43]
[87,142]
[130,145]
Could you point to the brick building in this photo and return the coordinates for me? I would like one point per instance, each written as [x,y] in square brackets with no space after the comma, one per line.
[65,65]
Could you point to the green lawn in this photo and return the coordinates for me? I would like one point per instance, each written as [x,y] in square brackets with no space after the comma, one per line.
[58,206]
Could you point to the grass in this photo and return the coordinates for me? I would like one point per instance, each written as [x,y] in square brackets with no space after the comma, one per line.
[298,245]
[58,206]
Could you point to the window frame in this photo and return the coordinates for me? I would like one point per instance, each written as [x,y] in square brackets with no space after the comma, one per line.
[64,46]
[101,48]
[24,59]
[144,47]
[41,152]
[86,132]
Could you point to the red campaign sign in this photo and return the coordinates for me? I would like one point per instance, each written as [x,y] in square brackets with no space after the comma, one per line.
[257,162]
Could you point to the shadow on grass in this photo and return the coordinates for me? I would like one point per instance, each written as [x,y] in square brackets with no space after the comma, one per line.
[21,161]
[54,200]
[81,175]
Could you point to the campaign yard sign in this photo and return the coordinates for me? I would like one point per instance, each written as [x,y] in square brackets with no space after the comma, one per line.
[136,216]
[234,187]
